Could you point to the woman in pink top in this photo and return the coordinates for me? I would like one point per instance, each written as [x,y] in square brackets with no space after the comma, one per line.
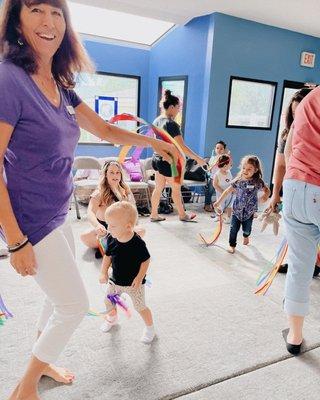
[301,200]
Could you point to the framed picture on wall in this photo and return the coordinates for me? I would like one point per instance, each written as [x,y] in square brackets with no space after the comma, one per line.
[178,86]
[106,107]
[109,94]
[250,103]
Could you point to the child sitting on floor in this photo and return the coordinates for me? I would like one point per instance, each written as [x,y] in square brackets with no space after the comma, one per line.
[111,188]
[130,259]
[245,186]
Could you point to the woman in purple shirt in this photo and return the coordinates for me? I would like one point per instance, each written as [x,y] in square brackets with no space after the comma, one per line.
[39,129]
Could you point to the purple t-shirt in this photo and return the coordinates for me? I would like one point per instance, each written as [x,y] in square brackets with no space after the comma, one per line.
[38,161]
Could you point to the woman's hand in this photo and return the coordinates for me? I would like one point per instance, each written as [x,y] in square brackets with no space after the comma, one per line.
[100,230]
[202,162]
[165,150]
[23,261]
[274,201]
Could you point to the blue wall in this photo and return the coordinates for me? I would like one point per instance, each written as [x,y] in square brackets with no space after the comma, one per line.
[209,50]
[248,49]
[119,60]
[184,51]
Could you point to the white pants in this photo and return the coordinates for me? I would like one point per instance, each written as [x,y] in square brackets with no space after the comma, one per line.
[66,300]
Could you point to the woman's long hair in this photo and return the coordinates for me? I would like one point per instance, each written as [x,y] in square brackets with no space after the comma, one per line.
[70,58]
[297,97]
[107,194]
[256,163]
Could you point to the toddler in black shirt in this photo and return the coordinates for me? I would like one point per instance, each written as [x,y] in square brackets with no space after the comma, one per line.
[130,259]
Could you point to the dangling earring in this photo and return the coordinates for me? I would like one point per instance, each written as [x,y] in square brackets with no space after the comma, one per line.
[20,42]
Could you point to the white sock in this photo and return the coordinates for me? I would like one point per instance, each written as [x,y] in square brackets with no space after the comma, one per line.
[148,334]
[150,329]
[111,318]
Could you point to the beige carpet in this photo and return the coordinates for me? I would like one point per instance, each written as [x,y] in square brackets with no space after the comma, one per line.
[210,326]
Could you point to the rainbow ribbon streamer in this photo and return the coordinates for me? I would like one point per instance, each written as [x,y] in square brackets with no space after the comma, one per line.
[266,278]
[117,301]
[92,313]
[215,235]
[4,312]
[176,170]
[102,244]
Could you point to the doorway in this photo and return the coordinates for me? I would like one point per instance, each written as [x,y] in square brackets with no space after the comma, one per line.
[289,89]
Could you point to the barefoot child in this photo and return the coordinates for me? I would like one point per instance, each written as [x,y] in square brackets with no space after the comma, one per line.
[222,181]
[130,259]
[245,186]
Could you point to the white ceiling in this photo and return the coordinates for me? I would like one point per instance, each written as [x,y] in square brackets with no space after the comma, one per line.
[297,15]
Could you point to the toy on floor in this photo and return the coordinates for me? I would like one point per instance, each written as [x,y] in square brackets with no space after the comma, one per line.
[266,277]
[215,235]
[269,217]
[4,312]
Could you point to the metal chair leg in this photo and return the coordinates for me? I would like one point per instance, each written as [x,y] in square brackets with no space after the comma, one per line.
[148,199]
[76,206]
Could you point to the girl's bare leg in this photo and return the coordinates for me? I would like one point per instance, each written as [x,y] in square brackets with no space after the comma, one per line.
[160,183]
[90,239]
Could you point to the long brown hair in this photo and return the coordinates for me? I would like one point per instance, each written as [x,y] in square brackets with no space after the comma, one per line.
[297,97]
[70,58]
[107,195]
[256,163]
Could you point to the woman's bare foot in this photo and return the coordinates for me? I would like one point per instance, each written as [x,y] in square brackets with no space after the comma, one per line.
[246,241]
[14,394]
[24,394]
[231,250]
[59,374]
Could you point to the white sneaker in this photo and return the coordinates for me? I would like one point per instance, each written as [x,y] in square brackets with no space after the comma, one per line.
[148,335]
[108,324]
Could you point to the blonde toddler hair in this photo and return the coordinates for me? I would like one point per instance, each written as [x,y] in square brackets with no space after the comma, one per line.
[124,209]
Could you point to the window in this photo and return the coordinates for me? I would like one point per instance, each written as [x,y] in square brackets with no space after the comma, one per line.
[108,94]
[251,103]
[178,86]
[117,25]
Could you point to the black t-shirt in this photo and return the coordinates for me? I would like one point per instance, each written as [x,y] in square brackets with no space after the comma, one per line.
[126,259]
[169,125]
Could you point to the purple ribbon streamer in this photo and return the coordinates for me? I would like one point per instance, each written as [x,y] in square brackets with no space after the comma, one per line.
[4,309]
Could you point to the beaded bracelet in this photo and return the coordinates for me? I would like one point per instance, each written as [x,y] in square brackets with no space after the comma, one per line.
[18,246]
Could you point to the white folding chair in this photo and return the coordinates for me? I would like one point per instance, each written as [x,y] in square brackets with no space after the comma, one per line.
[84,163]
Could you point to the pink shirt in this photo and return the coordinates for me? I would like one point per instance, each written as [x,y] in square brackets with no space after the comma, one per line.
[304,163]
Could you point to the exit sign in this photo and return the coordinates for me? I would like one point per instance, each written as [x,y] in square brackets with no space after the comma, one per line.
[307,59]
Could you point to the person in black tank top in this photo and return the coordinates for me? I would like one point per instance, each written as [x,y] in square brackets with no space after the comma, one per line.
[171,107]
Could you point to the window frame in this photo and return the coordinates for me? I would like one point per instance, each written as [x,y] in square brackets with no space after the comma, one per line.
[238,78]
[138,78]
[183,78]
